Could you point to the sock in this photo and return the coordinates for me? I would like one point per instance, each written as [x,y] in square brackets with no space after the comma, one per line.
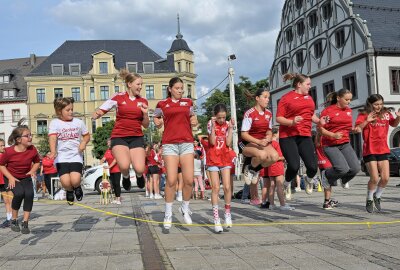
[168,209]
[327,200]
[180,193]
[379,191]
[286,183]
[126,176]
[370,195]
[9,216]
[227,209]
[215,211]
[185,205]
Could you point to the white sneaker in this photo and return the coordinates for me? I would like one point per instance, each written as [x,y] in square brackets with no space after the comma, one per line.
[147,194]
[288,192]
[118,202]
[273,207]
[297,189]
[179,198]
[228,220]
[309,185]
[151,196]
[324,180]
[157,196]
[345,186]
[247,176]
[167,222]
[286,207]
[186,215]
[218,228]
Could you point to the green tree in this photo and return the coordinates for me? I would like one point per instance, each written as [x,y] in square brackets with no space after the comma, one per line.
[100,139]
[43,145]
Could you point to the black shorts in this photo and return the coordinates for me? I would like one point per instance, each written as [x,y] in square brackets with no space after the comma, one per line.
[69,167]
[130,142]
[380,157]
[4,187]
[154,169]
[179,170]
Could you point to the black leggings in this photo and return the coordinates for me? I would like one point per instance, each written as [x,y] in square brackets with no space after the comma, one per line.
[115,179]
[47,181]
[295,147]
[23,190]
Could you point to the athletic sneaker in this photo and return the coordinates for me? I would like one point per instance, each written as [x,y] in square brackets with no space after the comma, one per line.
[288,192]
[273,207]
[186,215]
[118,202]
[25,228]
[167,222]
[228,220]
[15,226]
[297,189]
[344,185]
[147,194]
[126,183]
[309,185]
[327,205]
[217,225]
[264,205]
[286,207]
[151,196]
[256,176]
[255,202]
[158,196]
[324,181]
[139,181]
[333,202]
[5,224]
[245,201]
[70,197]
[370,206]
[78,193]
[377,202]
[249,175]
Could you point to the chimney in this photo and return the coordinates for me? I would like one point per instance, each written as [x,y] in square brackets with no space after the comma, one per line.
[32,59]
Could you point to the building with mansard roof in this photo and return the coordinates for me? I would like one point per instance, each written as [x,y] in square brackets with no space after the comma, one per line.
[341,44]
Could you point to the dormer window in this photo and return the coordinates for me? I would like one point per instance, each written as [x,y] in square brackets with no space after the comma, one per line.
[57,69]
[8,94]
[148,67]
[4,78]
[103,67]
[75,69]
[131,67]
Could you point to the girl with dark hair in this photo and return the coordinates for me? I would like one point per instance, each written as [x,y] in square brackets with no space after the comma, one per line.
[219,162]
[153,171]
[177,115]
[115,173]
[19,164]
[256,137]
[295,114]
[374,121]
[66,146]
[127,140]
[336,139]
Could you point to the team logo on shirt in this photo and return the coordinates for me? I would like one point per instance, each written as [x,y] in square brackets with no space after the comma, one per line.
[123,102]
[348,113]
[306,97]
[183,103]
[140,104]
[337,114]
[256,119]
[267,117]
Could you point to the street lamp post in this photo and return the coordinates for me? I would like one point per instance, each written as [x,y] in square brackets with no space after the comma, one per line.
[231,73]
[151,114]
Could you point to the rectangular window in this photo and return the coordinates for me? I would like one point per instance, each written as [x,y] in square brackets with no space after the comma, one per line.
[8,94]
[300,28]
[318,49]
[40,95]
[395,81]
[75,69]
[41,127]
[328,87]
[299,59]
[313,19]
[57,69]
[150,91]
[103,67]
[58,93]
[313,94]
[16,115]
[131,67]
[104,93]
[105,120]
[179,67]
[1,116]
[339,38]
[164,91]
[289,35]
[189,87]
[2,136]
[116,89]
[94,126]
[284,67]
[76,93]
[92,95]
[4,79]
[350,83]
[327,10]
[148,67]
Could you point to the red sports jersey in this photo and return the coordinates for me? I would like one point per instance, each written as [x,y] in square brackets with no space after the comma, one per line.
[278,168]
[129,116]
[293,104]
[323,161]
[48,165]
[176,115]
[375,134]
[218,154]
[199,148]
[337,120]
[257,123]
[232,157]
[1,174]
[19,163]
[110,158]
[151,158]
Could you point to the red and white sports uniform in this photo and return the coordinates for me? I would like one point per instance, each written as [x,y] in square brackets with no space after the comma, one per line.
[257,123]
[110,158]
[129,116]
[218,154]
[375,134]
[323,161]
[278,168]
[337,120]
[176,115]
[293,104]
[232,157]
[199,148]
[152,158]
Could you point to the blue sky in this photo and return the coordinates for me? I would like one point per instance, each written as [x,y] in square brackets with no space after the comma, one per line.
[213,29]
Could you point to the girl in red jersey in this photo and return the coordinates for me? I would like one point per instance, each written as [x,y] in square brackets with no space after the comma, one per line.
[115,173]
[295,115]
[219,162]
[256,136]
[336,139]
[154,170]
[127,141]
[19,164]
[177,116]
[374,120]
[48,170]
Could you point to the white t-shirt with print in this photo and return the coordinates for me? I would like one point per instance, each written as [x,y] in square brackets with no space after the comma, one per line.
[69,135]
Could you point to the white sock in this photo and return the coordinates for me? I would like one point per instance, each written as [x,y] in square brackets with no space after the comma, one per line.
[9,216]
[370,195]
[179,193]
[126,176]
[168,209]
[379,191]
[185,205]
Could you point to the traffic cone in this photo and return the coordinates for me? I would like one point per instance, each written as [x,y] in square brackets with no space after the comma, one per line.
[319,186]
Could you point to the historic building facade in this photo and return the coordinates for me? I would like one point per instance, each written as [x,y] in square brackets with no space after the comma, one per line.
[341,44]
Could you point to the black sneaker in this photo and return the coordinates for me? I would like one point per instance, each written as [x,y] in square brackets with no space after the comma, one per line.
[370,206]
[327,205]
[334,203]
[70,197]
[78,193]
[126,183]
[264,205]
[25,228]
[15,226]
[140,181]
[377,202]
[5,224]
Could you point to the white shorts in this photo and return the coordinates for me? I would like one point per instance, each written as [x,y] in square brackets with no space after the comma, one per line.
[177,149]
